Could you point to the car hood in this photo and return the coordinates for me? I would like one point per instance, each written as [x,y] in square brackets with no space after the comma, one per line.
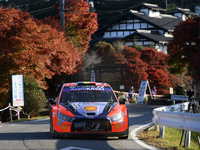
[90,108]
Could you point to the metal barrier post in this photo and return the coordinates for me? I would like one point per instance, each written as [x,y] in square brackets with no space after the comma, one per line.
[187,139]
[156,127]
[10,112]
[162,131]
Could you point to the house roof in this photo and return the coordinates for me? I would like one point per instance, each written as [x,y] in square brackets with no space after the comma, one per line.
[164,22]
[184,11]
[151,6]
[148,35]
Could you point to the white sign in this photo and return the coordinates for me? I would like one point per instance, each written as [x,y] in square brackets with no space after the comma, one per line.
[142,92]
[171,90]
[121,87]
[17,90]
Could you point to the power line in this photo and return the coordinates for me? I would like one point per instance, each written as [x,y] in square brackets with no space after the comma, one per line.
[44,11]
[27,4]
[35,11]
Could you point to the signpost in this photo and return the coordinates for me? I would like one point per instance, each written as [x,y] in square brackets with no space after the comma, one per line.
[17,92]
[142,91]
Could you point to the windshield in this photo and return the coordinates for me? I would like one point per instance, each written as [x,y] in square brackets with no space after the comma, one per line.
[87,95]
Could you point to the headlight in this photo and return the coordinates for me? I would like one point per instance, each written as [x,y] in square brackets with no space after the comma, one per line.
[63,117]
[117,117]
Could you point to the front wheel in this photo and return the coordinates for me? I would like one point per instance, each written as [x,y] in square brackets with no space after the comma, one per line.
[53,134]
[125,136]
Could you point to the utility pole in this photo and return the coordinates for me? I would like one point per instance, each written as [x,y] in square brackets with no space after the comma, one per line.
[166,4]
[62,14]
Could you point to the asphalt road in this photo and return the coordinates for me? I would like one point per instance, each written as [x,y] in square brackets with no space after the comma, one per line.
[35,135]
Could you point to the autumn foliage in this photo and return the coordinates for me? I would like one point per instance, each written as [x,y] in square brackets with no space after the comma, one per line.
[136,68]
[148,64]
[31,48]
[79,23]
[184,48]
[108,53]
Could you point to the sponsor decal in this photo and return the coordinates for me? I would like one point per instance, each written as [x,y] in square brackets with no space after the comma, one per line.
[76,105]
[87,89]
[90,108]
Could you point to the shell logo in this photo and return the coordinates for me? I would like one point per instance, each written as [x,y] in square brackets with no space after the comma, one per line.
[90,108]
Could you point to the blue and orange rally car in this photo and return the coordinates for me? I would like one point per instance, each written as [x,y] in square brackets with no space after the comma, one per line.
[88,108]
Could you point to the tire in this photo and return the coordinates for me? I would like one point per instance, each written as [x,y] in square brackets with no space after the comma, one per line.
[126,133]
[53,134]
[123,137]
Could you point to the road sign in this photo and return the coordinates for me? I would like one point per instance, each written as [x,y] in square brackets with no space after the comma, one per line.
[142,92]
[17,90]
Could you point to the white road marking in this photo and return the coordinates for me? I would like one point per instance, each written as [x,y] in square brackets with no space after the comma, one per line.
[74,148]
[134,137]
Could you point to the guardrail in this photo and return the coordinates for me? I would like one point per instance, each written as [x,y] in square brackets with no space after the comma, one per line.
[175,116]
[179,98]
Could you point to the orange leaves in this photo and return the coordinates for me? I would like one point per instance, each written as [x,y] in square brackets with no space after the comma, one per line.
[80,24]
[32,48]
[147,64]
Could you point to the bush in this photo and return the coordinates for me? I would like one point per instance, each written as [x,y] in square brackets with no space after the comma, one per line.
[145,100]
[34,97]
[134,100]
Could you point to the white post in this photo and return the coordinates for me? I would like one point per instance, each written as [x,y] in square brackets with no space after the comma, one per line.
[18,111]
[92,76]
[10,112]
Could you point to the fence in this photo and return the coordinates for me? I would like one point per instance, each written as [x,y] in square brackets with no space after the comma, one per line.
[11,108]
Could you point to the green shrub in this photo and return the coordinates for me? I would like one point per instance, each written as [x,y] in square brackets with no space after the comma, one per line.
[34,97]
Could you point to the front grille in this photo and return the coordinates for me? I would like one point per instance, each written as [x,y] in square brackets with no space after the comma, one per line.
[91,125]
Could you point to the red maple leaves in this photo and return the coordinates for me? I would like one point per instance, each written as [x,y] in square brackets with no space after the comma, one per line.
[147,64]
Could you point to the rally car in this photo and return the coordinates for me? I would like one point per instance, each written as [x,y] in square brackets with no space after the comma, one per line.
[88,108]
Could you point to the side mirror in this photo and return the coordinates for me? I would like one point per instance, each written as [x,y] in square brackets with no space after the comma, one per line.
[51,101]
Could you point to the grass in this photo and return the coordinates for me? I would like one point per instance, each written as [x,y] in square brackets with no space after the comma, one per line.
[171,140]
[43,114]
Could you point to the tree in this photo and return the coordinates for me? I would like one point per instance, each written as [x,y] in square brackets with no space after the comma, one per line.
[91,59]
[148,64]
[184,48]
[31,48]
[108,53]
[136,68]
[79,23]
[158,70]
[34,97]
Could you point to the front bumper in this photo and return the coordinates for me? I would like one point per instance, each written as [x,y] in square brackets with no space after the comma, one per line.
[91,134]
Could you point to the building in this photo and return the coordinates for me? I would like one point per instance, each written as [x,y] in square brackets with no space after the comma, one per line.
[147,25]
